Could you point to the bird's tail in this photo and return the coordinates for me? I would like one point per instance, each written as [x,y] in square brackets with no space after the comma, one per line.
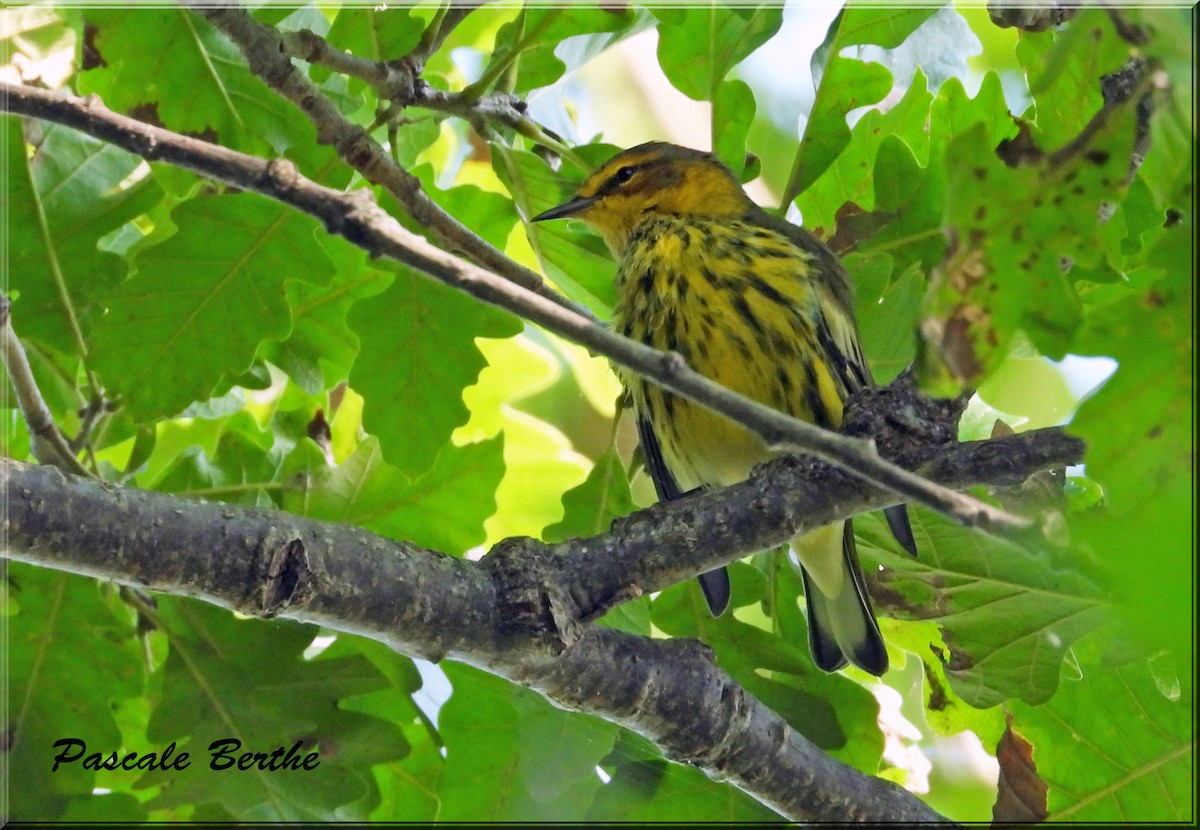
[715,585]
[841,624]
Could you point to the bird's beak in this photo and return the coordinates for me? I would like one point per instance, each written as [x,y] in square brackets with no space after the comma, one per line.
[576,206]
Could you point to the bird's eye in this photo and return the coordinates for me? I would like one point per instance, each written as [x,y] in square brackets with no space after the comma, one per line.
[623,175]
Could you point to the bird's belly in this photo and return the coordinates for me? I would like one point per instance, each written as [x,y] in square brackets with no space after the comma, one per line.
[709,449]
[705,448]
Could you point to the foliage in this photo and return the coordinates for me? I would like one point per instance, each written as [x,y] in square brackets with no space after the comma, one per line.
[221,324]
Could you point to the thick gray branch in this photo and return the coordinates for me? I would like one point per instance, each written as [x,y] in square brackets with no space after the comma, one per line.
[521,612]
[501,614]
[655,548]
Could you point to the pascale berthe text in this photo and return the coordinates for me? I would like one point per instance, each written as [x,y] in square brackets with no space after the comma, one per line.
[223,754]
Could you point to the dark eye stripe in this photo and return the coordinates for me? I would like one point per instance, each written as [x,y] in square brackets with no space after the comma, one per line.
[619,178]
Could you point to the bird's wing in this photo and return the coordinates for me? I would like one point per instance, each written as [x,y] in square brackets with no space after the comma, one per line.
[838,338]
[714,583]
[664,483]
[837,335]
[837,332]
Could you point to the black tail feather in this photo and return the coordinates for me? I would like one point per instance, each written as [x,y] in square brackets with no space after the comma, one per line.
[715,585]
[897,519]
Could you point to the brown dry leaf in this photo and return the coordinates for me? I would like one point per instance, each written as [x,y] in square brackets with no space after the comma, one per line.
[1021,795]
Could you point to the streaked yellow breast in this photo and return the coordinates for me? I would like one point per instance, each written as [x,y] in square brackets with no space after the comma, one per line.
[737,302]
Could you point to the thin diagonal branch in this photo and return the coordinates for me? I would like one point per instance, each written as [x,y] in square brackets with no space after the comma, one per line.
[356,217]
[48,444]
[399,83]
[439,29]
[267,57]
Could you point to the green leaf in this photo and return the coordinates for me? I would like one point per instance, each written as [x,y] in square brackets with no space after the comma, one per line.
[417,349]
[572,256]
[417,353]
[378,34]
[407,787]
[1136,424]
[195,80]
[590,508]
[1007,615]
[516,758]
[698,46]
[886,27]
[240,472]
[848,178]
[646,787]
[733,112]
[913,194]
[532,41]
[1116,745]
[1004,271]
[887,313]
[68,653]
[224,678]
[321,348]
[954,113]
[1172,36]
[202,301]
[540,461]
[444,509]
[58,205]
[1030,387]
[844,84]
[1064,68]
[945,712]
[1138,429]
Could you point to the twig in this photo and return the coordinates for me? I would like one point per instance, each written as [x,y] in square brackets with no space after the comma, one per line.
[399,83]
[89,417]
[356,217]
[390,79]
[443,23]
[263,47]
[46,441]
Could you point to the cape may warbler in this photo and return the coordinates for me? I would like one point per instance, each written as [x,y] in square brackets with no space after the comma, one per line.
[758,305]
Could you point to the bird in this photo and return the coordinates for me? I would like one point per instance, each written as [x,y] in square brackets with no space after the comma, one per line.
[764,308]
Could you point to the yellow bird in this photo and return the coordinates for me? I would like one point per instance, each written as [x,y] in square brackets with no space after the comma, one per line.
[758,305]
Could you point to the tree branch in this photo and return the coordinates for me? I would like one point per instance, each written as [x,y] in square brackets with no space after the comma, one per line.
[267,57]
[355,216]
[46,440]
[653,549]
[513,614]
[521,611]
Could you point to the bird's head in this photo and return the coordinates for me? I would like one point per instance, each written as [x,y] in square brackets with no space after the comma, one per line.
[648,180]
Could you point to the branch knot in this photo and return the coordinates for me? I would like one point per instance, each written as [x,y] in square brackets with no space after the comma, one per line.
[531,602]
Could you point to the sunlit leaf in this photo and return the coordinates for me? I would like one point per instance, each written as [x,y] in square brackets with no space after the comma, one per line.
[698,46]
